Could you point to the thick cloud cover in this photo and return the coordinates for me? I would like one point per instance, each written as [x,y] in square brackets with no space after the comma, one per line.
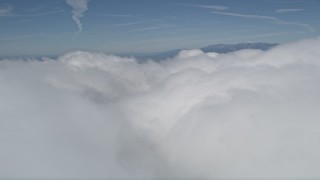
[245,114]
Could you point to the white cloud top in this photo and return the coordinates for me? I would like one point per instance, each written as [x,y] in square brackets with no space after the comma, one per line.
[246,114]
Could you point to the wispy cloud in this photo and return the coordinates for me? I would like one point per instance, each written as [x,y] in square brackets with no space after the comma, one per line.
[154,28]
[38,14]
[307,26]
[78,8]
[130,24]
[137,23]
[123,15]
[18,37]
[296,1]
[246,15]
[269,18]
[288,10]
[273,34]
[5,9]
[213,7]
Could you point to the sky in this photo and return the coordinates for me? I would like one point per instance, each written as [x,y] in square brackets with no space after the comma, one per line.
[53,27]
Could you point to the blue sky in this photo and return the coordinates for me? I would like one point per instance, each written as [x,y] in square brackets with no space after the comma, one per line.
[46,27]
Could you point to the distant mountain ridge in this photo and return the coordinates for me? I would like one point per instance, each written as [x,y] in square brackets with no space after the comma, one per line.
[225,48]
[218,48]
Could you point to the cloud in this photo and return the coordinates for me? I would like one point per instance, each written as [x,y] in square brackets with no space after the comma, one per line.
[15,37]
[132,23]
[213,7]
[288,10]
[245,114]
[39,14]
[297,1]
[78,8]
[123,15]
[246,15]
[5,9]
[306,26]
[270,18]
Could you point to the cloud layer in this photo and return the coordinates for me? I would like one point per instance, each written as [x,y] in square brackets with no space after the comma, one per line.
[78,8]
[246,114]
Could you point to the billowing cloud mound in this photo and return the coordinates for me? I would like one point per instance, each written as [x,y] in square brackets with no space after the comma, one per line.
[78,8]
[246,114]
